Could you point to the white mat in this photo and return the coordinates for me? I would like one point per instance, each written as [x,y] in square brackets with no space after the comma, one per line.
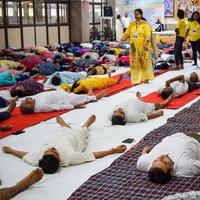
[103,136]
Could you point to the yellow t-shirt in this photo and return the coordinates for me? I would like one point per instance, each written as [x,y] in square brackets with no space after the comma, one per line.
[181,26]
[194,27]
[138,32]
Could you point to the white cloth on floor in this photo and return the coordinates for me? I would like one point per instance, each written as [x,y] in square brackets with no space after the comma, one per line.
[59,100]
[135,110]
[183,150]
[70,144]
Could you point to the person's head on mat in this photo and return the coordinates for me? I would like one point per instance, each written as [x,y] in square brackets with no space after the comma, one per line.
[166,92]
[194,77]
[161,169]
[18,91]
[56,80]
[27,106]
[50,161]
[118,117]
[35,70]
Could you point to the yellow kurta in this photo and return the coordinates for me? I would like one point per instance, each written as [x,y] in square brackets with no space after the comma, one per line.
[95,83]
[140,59]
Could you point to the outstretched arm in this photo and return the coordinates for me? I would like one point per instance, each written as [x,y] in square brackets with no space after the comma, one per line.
[155,114]
[9,150]
[146,149]
[177,78]
[118,149]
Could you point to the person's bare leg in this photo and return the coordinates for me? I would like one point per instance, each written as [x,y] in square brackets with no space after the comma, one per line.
[102,94]
[120,78]
[11,106]
[27,181]
[89,121]
[164,103]
[139,96]
[61,121]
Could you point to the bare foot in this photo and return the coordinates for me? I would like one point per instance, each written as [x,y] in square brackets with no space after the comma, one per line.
[89,121]
[7,149]
[120,78]
[90,92]
[61,121]
[146,81]
[102,94]
[31,179]
[139,96]
[5,127]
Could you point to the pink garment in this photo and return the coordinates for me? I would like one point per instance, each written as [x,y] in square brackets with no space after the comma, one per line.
[124,60]
[12,71]
[30,61]
[47,54]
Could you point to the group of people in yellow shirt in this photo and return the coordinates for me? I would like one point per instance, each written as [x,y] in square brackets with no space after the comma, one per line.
[190,31]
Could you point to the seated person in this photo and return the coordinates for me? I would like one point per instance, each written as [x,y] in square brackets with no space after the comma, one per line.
[7,114]
[166,160]
[135,110]
[65,147]
[83,86]
[56,100]
[27,87]
[99,69]
[32,178]
[178,86]
[58,78]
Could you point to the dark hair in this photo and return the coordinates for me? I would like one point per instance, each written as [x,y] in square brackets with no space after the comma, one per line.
[196,12]
[15,93]
[180,14]
[26,110]
[141,13]
[49,164]
[55,80]
[105,58]
[118,120]
[74,86]
[77,54]
[33,72]
[118,16]
[156,175]
[165,94]
[87,57]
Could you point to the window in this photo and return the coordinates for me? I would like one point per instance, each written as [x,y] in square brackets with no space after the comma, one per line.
[12,12]
[1,12]
[63,13]
[27,12]
[40,12]
[97,13]
[52,13]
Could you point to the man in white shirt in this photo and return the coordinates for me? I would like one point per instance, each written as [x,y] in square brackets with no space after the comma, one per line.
[57,100]
[65,147]
[176,155]
[126,20]
[135,110]
[179,86]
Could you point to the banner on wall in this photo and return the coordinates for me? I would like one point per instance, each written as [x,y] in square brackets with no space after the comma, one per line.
[152,9]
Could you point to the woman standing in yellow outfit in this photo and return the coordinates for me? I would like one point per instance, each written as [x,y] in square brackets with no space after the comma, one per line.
[139,33]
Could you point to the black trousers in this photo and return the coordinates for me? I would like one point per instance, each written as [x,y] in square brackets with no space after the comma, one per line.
[195,49]
[178,50]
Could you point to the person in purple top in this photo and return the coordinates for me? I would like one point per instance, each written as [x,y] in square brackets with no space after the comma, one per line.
[27,87]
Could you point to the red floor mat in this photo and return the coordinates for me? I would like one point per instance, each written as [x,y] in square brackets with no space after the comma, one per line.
[175,103]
